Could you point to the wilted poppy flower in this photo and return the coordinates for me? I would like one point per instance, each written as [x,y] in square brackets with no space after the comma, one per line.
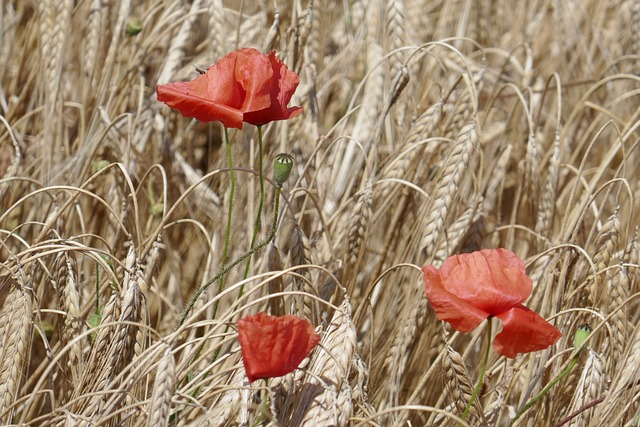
[472,287]
[244,86]
[274,346]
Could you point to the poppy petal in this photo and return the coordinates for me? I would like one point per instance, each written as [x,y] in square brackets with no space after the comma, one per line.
[494,280]
[524,331]
[185,99]
[254,73]
[293,111]
[462,315]
[288,81]
[243,86]
[284,83]
[274,346]
[221,85]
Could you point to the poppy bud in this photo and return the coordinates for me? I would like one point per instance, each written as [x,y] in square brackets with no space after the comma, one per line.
[581,335]
[94,322]
[134,26]
[282,168]
[157,209]
[98,165]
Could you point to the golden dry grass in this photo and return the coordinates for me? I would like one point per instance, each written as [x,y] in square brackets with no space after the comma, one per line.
[430,128]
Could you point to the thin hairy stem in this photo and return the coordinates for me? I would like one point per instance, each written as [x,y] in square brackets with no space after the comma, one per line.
[544,391]
[256,227]
[229,216]
[265,399]
[483,370]
[238,260]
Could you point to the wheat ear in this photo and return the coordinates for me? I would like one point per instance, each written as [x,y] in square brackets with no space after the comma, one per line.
[606,245]
[446,190]
[217,28]
[358,224]
[15,334]
[458,384]
[589,388]
[327,399]
[73,324]
[163,389]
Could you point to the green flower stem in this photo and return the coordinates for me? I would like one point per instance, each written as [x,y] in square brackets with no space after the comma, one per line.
[544,391]
[232,176]
[265,399]
[227,236]
[272,233]
[483,370]
[256,227]
[237,261]
[97,311]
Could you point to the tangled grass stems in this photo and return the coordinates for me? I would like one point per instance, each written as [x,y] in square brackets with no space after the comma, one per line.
[230,266]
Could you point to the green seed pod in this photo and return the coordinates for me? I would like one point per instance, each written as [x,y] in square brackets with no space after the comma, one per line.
[581,335]
[282,168]
[134,26]
[157,209]
[48,328]
[94,321]
[98,165]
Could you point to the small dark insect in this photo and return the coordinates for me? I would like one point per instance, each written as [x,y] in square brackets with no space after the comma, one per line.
[199,69]
[586,327]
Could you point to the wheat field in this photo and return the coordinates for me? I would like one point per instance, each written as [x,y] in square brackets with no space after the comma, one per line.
[430,128]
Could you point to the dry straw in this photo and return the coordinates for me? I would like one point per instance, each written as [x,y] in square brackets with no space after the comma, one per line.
[429,129]
[325,399]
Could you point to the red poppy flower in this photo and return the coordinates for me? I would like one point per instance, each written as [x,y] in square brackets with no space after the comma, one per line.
[274,346]
[244,86]
[471,287]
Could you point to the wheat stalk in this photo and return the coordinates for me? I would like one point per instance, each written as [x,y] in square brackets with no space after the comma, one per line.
[532,165]
[313,48]
[274,262]
[350,160]
[94,377]
[226,407]
[396,33]
[458,230]
[176,51]
[299,254]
